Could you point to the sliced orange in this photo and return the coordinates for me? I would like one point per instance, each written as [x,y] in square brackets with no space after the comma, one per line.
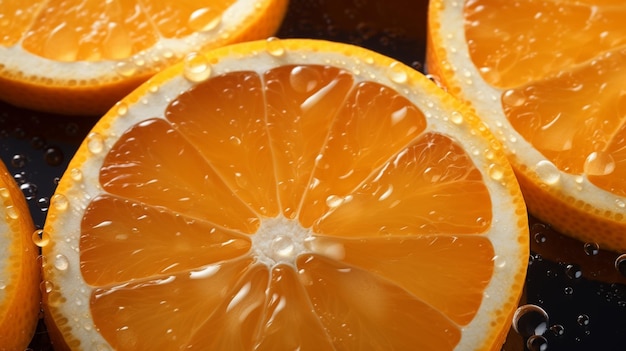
[19,268]
[80,57]
[548,79]
[281,195]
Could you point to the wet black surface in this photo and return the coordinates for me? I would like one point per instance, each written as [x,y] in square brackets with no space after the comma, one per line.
[578,286]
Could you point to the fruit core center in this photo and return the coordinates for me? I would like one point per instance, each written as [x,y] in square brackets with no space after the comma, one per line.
[280,240]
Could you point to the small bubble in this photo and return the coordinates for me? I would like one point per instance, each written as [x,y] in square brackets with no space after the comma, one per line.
[18,161]
[37,142]
[530,320]
[29,190]
[557,329]
[537,343]
[275,47]
[121,108]
[496,172]
[540,238]
[53,156]
[41,238]
[573,271]
[582,320]
[397,73]
[60,202]
[591,249]
[11,212]
[568,290]
[95,143]
[61,262]
[619,203]
[197,68]
[599,164]
[620,264]
[547,172]
[47,286]
[43,203]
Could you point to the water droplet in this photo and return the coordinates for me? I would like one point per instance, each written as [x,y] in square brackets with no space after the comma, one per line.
[204,20]
[197,67]
[620,264]
[43,203]
[568,290]
[582,320]
[303,79]
[283,246]
[47,286]
[61,262]
[591,249]
[530,320]
[41,238]
[599,164]
[4,193]
[12,212]
[537,343]
[53,156]
[557,329]
[60,202]
[496,172]
[397,73]
[95,143]
[121,108]
[547,172]
[619,203]
[29,190]
[513,98]
[18,161]
[573,271]
[333,201]
[540,238]
[275,47]
[76,174]
[126,68]
[456,117]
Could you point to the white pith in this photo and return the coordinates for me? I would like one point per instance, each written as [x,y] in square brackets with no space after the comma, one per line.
[503,231]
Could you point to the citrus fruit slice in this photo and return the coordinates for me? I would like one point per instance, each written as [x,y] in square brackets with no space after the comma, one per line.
[286,194]
[547,78]
[19,268]
[80,57]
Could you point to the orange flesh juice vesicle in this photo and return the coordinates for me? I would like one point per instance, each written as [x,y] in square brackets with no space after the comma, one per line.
[392,216]
[562,92]
[92,30]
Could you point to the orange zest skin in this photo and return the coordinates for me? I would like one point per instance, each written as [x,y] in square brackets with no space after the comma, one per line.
[19,291]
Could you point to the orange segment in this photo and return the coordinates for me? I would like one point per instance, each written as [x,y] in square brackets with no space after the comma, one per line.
[547,78]
[81,57]
[19,267]
[304,195]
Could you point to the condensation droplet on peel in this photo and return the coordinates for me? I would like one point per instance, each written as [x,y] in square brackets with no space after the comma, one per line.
[196,67]
[275,47]
[530,320]
[456,117]
[547,172]
[95,143]
[499,261]
[619,203]
[599,164]
[12,212]
[121,108]
[126,68]
[76,174]
[61,262]
[396,73]
[40,238]
[4,193]
[496,172]
[60,202]
[47,286]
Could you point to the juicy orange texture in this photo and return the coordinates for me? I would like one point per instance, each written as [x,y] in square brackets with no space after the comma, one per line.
[547,77]
[293,206]
[81,56]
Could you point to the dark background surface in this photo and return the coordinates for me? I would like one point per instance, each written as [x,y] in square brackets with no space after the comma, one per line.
[579,288]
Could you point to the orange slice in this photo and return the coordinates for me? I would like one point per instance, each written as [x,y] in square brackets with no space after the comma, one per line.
[547,78]
[80,57]
[19,268]
[287,194]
